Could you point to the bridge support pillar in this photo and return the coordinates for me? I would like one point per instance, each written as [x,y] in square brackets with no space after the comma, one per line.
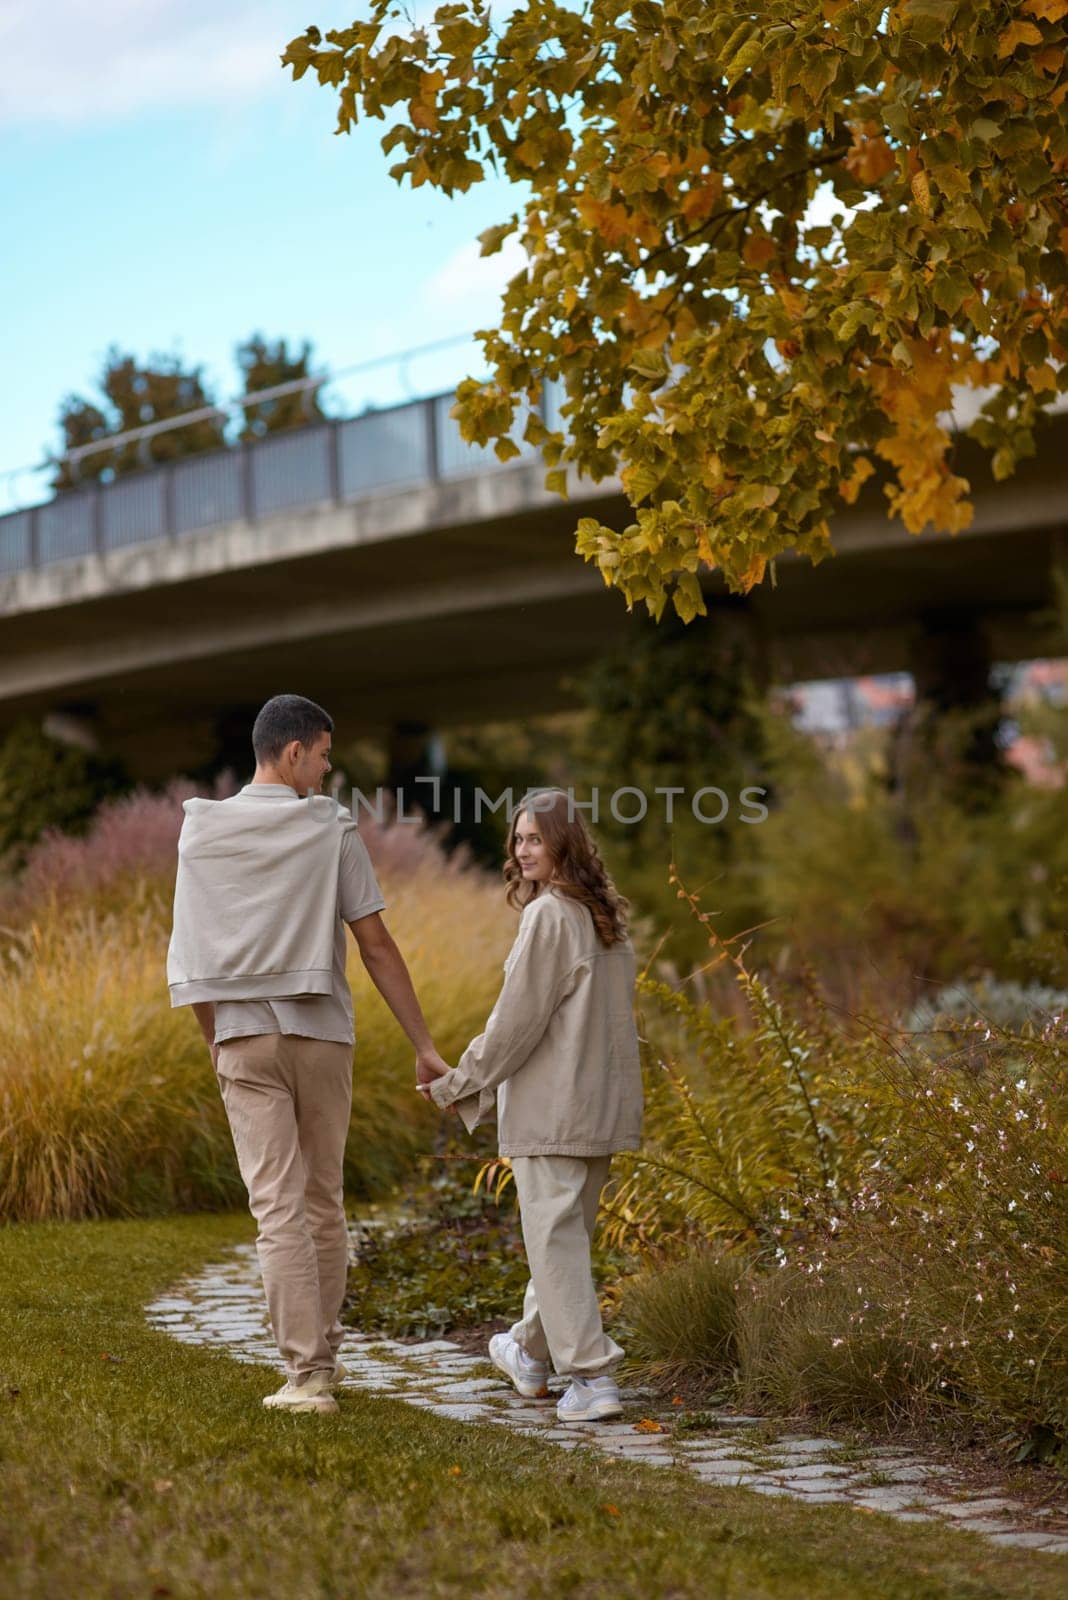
[413,750]
[946,743]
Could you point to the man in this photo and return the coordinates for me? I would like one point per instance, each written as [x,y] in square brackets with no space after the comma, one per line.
[266,882]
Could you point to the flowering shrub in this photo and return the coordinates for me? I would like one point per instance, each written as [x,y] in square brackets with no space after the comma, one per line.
[897,1223]
[135,837]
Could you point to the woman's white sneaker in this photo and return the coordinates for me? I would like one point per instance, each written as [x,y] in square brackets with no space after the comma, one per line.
[528,1377]
[590,1400]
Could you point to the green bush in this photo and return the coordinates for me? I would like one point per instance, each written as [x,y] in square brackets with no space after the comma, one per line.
[682,1322]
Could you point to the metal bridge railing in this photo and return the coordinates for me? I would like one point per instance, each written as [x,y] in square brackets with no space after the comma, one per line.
[330,463]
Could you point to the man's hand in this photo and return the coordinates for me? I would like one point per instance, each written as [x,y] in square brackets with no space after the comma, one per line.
[428,1066]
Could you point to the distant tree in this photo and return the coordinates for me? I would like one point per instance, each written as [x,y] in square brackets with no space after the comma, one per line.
[742,362]
[45,783]
[263,365]
[136,393]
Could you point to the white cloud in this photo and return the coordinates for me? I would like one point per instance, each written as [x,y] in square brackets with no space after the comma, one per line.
[467,278]
[73,62]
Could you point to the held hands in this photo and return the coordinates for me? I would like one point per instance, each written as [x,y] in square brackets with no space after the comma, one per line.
[429,1065]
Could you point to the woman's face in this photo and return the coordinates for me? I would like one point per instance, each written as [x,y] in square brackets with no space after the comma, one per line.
[531,851]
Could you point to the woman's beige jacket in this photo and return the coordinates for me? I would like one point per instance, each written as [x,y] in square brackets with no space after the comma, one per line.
[559,1054]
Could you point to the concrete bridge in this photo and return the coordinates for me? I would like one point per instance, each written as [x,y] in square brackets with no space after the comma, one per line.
[407,580]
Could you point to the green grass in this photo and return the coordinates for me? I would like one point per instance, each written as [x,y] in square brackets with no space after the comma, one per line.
[156,1473]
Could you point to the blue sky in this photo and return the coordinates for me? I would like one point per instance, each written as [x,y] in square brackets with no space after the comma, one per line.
[166,186]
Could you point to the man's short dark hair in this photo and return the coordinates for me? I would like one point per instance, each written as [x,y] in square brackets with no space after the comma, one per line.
[284,718]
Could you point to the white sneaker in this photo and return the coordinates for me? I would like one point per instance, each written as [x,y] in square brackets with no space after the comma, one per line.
[590,1400]
[313,1395]
[528,1377]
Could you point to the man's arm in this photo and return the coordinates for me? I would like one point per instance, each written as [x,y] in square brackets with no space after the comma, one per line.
[387,971]
[204,1011]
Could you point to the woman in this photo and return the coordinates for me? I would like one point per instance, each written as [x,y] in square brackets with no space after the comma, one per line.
[559,1058]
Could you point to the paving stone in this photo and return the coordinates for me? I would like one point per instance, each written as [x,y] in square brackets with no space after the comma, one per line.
[1025,1541]
[470,1386]
[979,1508]
[812,1488]
[462,1413]
[722,1470]
[817,1471]
[768,1488]
[984,1525]
[917,1472]
[883,1499]
[801,1447]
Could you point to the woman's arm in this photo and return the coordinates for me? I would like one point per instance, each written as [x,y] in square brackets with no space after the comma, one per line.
[541,974]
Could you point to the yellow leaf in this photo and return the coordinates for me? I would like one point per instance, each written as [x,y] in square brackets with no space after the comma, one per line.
[870,158]
[613,1511]
[921,191]
[1016,34]
[850,487]
[648,1425]
[758,250]
[454,1472]
[754,573]
[698,203]
[1042,377]
[613,222]
[1047,10]
[423,116]
[1051,59]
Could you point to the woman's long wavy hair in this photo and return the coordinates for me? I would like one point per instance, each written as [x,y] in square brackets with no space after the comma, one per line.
[578,871]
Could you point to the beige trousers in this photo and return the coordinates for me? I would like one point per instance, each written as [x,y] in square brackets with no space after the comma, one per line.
[561,1322]
[288,1100]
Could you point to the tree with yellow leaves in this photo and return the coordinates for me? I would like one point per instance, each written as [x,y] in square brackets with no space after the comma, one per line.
[764,247]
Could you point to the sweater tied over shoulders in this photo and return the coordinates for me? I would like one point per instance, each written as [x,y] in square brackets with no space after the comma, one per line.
[255,899]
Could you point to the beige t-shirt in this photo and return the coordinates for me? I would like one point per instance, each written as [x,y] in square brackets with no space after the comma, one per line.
[314,1016]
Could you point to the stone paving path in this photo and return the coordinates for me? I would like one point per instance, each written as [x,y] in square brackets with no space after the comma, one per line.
[224,1307]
